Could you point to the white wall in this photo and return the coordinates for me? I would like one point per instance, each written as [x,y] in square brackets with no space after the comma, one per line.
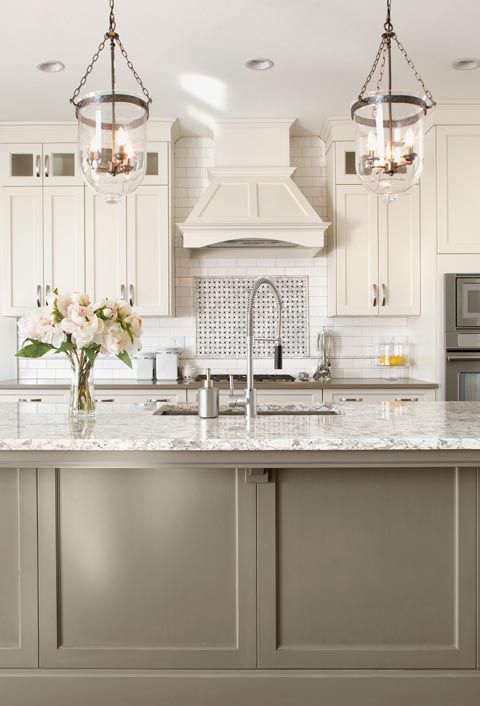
[356,337]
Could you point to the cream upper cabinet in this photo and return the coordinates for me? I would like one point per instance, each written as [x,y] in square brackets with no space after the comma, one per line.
[106,247]
[158,163]
[21,224]
[458,187]
[149,251]
[60,165]
[374,247]
[129,249]
[40,164]
[42,235]
[64,239]
[399,255]
[356,252]
[21,164]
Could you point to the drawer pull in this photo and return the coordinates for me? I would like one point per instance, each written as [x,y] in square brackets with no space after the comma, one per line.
[107,399]
[30,399]
[351,399]
[406,399]
[159,400]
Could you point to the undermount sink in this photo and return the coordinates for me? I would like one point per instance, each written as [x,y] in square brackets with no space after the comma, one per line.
[262,410]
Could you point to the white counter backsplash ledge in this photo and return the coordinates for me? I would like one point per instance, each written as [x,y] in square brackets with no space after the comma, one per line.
[193,155]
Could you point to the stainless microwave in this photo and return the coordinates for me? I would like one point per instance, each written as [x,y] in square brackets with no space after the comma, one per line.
[462,302]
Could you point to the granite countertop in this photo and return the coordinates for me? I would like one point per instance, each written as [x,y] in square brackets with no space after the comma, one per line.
[424,426]
[334,384]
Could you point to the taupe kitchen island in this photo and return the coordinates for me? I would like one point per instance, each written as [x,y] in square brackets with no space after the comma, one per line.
[327,560]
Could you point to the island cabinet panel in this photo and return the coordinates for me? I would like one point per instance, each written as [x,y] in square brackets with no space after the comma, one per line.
[147,568]
[18,562]
[367,568]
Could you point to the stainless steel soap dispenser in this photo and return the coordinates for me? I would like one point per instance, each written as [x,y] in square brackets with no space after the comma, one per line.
[208,399]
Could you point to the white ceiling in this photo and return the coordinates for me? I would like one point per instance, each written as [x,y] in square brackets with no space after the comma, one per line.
[191,54]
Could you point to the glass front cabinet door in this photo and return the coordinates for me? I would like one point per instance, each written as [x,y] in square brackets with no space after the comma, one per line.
[37,164]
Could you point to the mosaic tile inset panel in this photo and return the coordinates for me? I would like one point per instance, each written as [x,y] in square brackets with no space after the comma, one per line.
[221,312]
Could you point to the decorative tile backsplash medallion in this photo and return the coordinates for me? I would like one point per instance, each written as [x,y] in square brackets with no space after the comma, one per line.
[221,310]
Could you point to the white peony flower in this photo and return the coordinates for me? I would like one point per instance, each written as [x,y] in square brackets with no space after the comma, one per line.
[40,326]
[83,325]
[115,339]
[134,323]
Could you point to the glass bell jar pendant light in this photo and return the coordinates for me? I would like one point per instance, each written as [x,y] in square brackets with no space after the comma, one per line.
[112,128]
[389,125]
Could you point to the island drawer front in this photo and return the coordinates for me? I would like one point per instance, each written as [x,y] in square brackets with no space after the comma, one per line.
[390,395]
[280,396]
[18,572]
[368,568]
[147,568]
[127,396]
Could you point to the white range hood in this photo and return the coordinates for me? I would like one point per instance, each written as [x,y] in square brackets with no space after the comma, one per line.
[252,202]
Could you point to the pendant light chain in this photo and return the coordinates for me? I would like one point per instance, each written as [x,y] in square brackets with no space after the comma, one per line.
[387,37]
[113,37]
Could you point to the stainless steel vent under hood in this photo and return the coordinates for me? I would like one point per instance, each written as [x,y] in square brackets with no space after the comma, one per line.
[252,201]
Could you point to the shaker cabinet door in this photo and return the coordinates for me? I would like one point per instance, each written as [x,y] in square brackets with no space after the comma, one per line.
[458,186]
[18,575]
[150,251]
[106,247]
[369,568]
[147,568]
[21,224]
[64,239]
[399,255]
[356,252]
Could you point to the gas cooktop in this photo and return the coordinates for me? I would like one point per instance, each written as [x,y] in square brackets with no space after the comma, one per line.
[259,377]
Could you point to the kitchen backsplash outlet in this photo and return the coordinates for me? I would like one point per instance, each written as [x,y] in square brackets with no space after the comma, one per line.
[354,355]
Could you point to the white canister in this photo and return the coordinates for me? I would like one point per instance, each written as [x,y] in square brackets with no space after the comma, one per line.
[167,364]
[144,366]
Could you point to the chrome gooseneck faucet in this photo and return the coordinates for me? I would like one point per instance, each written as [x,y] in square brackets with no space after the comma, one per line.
[249,402]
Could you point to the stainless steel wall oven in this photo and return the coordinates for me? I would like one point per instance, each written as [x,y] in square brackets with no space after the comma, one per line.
[462,337]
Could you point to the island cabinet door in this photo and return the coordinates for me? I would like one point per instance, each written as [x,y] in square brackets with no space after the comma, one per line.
[368,569]
[147,568]
[18,572]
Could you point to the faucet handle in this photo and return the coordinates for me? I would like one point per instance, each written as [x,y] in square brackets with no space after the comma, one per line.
[231,383]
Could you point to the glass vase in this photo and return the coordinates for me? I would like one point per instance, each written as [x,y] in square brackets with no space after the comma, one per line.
[82,397]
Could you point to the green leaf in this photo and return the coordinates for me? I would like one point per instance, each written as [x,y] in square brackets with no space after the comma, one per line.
[34,350]
[91,353]
[66,347]
[125,358]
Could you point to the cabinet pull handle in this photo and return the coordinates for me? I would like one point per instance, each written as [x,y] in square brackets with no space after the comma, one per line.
[107,399]
[39,296]
[132,295]
[29,399]
[48,291]
[47,165]
[406,399]
[384,294]
[375,289]
[351,399]
[122,292]
[37,165]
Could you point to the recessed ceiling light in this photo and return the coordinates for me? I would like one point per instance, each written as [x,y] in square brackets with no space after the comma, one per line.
[466,64]
[259,64]
[51,67]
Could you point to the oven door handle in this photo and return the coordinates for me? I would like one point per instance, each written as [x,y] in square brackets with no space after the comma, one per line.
[462,356]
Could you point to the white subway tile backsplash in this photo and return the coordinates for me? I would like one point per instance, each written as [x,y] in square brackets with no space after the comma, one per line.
[193,156]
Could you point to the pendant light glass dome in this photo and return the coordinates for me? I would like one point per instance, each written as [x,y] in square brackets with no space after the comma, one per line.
[389,126]
[112,129]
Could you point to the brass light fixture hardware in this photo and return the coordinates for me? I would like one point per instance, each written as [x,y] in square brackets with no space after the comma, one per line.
[112,127]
